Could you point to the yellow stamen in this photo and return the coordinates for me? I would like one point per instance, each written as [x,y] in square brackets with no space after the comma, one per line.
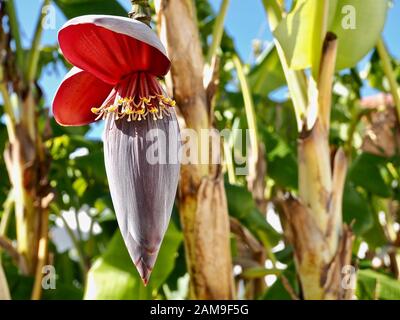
[140,111]
[112,108]
[145,100]
[156,105]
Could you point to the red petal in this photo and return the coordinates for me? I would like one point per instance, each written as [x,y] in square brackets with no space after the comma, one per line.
[112,47]
[78,93]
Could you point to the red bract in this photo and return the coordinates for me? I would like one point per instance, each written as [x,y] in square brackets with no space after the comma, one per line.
[109,53]
[117,61]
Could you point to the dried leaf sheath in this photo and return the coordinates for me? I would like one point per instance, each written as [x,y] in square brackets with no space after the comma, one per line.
[142,191]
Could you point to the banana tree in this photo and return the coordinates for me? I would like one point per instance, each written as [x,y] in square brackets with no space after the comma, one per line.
[28,126]
[316,35]
[26,158]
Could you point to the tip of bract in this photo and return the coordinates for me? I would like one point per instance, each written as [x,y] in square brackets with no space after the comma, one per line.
[143,257]
[144,270]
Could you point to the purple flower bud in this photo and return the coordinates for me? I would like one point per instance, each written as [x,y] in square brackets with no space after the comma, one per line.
[142,167]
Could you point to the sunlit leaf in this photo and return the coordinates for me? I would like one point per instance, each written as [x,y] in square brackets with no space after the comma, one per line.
[350,20]
[80,185]
[355,41]
[300,33]
[267,74]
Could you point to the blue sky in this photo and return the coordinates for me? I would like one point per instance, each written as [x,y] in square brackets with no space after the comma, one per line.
[245,21]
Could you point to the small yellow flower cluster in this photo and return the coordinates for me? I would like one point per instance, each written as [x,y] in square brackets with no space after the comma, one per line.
[156,106]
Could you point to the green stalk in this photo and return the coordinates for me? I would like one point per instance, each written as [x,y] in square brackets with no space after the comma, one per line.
[34,53]
[389,72]
[14,25]
[248,104]
[8,110]
[218,31]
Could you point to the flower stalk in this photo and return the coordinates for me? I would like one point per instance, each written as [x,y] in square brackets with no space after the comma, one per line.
[141,11]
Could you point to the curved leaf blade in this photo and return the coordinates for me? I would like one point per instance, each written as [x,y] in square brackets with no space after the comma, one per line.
[113,275]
